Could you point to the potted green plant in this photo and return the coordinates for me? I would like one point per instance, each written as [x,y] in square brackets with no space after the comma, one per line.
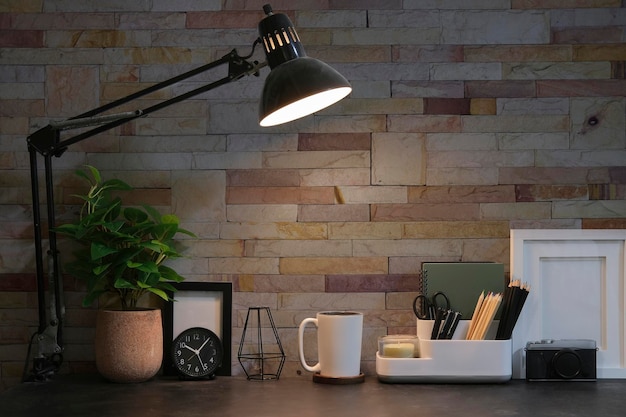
[121,252]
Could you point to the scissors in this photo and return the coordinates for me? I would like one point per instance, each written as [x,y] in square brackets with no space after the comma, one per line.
[426,308]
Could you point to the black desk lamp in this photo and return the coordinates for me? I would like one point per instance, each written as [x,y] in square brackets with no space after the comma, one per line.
[296,87]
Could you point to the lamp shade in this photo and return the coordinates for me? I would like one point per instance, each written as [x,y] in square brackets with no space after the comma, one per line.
[297,85]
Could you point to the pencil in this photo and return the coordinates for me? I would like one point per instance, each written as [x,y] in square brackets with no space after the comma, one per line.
[482,316]
[506,309]
[474,319]
[514,302]
[489,314]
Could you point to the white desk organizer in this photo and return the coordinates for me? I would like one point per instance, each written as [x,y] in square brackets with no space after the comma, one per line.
[454,361]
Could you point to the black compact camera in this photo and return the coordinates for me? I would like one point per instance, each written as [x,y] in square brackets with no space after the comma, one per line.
[555,360]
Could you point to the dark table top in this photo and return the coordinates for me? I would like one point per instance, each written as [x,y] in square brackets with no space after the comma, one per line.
[89,395]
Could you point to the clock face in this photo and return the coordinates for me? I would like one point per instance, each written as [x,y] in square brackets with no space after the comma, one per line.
[197,353]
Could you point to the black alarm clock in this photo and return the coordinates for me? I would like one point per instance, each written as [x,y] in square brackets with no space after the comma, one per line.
[197,353]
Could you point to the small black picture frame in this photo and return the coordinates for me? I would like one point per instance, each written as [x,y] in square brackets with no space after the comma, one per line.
[199,304]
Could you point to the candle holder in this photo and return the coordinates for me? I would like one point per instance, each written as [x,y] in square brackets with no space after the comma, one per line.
[264,362]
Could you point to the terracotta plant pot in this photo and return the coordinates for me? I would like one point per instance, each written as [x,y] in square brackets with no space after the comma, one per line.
[129,344]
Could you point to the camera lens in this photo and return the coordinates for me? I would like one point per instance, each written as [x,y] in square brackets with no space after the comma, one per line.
[567,363]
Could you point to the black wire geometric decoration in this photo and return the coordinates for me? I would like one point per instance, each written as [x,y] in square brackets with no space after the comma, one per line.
[261,354]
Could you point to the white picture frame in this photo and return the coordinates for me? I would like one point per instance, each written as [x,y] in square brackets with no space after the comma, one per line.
[577,291]
[199,304]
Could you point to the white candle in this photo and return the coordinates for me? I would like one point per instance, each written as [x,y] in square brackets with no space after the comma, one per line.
[398,350]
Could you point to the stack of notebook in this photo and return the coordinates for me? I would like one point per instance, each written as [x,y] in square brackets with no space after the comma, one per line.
[463,282]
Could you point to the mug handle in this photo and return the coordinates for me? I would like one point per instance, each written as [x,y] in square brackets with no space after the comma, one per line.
[316,367]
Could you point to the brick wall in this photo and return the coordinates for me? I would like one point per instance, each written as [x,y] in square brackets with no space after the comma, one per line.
[468,118]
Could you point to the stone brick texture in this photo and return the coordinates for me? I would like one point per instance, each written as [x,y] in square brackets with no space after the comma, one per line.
[467,118]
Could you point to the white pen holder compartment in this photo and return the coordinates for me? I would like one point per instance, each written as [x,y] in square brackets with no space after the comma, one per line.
[450,361]
[425,329]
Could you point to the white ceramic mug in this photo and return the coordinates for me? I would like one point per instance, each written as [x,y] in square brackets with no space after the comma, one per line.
[339,335]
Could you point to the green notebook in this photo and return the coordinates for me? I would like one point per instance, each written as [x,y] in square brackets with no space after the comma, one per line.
[463,282]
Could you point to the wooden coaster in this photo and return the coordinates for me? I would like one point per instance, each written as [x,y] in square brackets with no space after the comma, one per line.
[345,380]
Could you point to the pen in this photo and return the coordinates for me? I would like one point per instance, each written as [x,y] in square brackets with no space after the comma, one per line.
[445,328]
[455,322]
[437,325]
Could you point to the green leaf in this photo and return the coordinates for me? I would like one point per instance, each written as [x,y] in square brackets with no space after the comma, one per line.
[167,286]
[152,280]
[168,274]
[116,185]
[67,229]
[101,269]
[83,175]
[134,215]
[160,293]
[123,283]
[99,251]
[170,219]
[95,174]
[115,226]
[187,232]
[154,213]
[156,246]
[143,285]
[148,267]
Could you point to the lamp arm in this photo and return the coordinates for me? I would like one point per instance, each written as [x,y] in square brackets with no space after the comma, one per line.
[47,143]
